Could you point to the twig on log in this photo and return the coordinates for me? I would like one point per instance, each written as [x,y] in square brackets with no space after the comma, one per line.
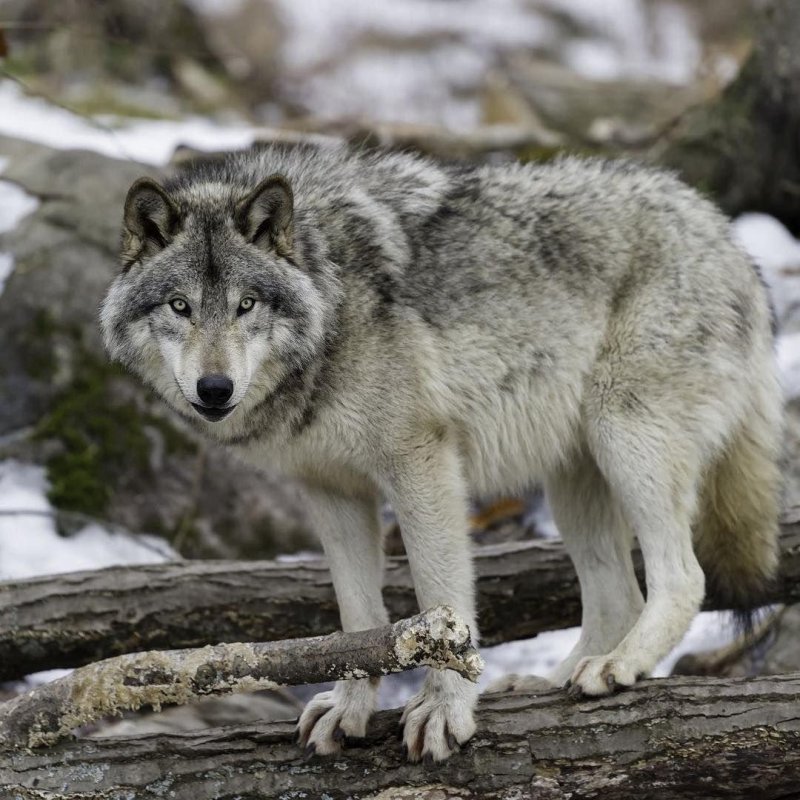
[435,638]
[67,620]
[668,739]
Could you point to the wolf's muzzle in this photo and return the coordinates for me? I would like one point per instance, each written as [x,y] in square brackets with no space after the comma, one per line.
[214,391]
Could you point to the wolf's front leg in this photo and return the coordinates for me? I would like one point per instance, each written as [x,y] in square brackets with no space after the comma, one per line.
[427,493]
[350,533]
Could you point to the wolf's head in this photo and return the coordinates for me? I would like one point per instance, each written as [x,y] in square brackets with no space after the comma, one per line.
[217,304]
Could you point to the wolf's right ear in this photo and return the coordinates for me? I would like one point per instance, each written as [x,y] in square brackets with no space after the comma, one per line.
[149,221]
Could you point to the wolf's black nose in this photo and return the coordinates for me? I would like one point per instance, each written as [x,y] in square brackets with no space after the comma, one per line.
[215,390]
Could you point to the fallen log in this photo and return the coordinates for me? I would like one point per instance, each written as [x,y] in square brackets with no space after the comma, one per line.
[44,715]
[68,620]
[661,740]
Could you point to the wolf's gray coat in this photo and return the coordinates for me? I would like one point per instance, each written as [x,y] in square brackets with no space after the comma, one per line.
[398,328]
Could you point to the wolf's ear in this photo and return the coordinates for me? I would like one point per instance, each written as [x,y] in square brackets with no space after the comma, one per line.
[149,221]
[265,216]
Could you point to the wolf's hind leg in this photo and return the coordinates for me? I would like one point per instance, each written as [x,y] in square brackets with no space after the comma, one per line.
[350,533]
[652,471]
[599,542]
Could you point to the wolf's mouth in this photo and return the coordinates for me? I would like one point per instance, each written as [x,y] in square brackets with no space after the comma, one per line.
[212,414]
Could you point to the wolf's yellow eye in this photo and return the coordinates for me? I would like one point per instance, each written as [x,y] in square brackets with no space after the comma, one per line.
[180,306]
[245,306]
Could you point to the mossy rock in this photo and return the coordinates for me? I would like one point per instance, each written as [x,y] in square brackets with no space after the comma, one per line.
[101,438]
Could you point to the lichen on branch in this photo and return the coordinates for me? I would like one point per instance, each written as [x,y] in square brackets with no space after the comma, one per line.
[436,638]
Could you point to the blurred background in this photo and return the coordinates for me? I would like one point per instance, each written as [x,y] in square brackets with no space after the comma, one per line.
[93,469]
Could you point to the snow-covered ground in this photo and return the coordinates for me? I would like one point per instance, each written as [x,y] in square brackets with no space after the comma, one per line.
[30,543]
[777,253]
[639,40]
[147,141]
[15,205]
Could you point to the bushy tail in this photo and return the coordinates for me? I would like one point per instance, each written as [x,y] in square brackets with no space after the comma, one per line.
[736,535]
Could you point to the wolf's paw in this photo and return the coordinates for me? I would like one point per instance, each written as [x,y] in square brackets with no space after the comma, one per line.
[439,718]
[532,684]
[601,675]
[331,717]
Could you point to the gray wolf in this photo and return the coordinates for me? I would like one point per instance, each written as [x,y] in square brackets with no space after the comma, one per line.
[386,327]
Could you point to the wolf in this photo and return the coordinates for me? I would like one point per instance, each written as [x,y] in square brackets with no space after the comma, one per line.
[386,327]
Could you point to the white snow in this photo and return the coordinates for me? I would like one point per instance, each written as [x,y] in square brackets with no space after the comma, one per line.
[540,655]
[15,205]
[334,72]
[777,253]
[537,656]
[30,544]
[788,355]
[6,268]
[320,30]
[148,141]
[636,40]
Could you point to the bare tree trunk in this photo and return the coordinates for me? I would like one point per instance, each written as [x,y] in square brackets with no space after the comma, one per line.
[436,638]
[661,740]
[744,149]
[68,620]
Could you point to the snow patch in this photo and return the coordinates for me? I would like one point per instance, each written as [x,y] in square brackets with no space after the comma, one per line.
[777,254]
[320,31]
[537,656]
[787,351]
[6,268]
[542,654]
[30,545]
[148,141]
[634,40]
[334,71]
[15,205]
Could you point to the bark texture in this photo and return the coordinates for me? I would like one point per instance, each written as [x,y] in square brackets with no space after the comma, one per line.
[69,620]
[661,740]
[744,149]
[437,638]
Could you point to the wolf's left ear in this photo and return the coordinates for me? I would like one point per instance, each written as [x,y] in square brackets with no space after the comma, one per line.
[265,216]
[149,221]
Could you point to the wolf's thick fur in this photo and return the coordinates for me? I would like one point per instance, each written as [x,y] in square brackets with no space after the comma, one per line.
[389,327]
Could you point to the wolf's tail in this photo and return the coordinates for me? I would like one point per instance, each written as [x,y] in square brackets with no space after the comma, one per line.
[736,535]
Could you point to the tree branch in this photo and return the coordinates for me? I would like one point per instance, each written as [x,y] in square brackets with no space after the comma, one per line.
[68,620]
[46,714]
[661,740]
